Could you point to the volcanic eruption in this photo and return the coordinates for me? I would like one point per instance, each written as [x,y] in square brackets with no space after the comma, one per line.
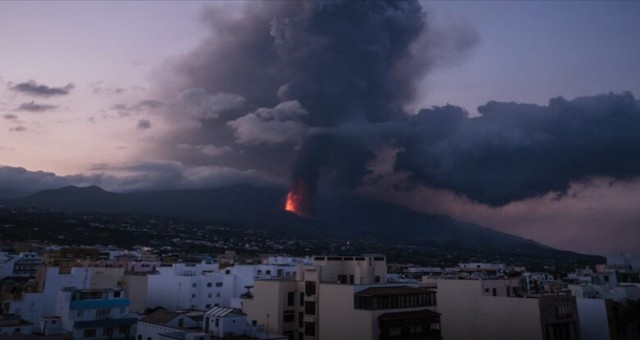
[299,198]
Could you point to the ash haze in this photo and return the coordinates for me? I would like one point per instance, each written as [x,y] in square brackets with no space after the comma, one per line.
[518,116]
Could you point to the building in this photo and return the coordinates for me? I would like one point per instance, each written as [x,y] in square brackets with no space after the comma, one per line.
[162,321]
[491,309]
[95,313]
[11,324]
[343,297]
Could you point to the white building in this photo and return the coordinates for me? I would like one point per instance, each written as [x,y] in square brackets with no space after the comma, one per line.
[95,313]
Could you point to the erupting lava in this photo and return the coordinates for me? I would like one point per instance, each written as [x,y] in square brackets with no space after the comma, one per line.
[298,198]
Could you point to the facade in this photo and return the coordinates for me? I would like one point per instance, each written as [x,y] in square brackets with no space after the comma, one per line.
[11,324]
[343,297]
[489,309]
[95,313]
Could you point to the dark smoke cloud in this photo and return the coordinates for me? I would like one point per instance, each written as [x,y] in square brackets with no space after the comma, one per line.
[35,107]
[519,151]
[33,89]
[316,89]
[277,74]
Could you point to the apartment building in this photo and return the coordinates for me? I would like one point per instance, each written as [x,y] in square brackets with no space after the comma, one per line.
[343,297]
[491,309]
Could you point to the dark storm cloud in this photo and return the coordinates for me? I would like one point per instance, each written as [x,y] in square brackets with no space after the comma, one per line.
[518,151]
[35,107]
[33,89]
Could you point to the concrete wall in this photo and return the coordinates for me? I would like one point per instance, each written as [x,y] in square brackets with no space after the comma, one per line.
[593,319]
[467,314]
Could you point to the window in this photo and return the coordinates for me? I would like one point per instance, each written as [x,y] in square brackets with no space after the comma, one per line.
[310,307]
[194,285]
[301,299]
[209,284]
[310,328]
[291,297]
[107,331]
[80,312]
[218,284]
[288,334]
[193,295]
[288,316]
[310,288]
[116,294]
[300,319]
[181,322]
[102,313]
[268,272]
[209,295]
[217,294]
[123,309]
[89,333]
[125,329]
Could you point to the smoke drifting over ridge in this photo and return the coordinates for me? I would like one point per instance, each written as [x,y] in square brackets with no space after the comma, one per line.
[316,90]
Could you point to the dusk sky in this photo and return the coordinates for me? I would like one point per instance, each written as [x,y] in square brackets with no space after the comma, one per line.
[184,95]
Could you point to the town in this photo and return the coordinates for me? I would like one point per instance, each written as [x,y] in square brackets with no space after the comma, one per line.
[164,291]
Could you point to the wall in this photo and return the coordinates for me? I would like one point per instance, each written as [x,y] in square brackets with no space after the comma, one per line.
[593,319]
[467,314]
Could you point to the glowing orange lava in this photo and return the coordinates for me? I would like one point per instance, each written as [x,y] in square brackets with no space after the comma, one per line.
[298,198]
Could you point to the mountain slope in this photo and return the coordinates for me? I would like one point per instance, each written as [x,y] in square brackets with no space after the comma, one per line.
[338,214]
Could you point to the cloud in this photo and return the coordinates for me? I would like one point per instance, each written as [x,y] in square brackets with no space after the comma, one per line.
[213,151]
[33,89]
[145,176]
[9,116]
[518,151]
[143,124]
[275,74]
[18,128]
[35,107]
[271,125]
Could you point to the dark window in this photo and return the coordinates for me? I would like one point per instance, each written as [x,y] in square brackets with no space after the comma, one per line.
[209,284]
[495,292]
[107,331]
[342,279]
[310,288]
[310,307]
[300,319]
[310,328]
[180,322]
[218,284]
[289,316]
[301,299]
[89,333]
[288,334]
[116,293]
[291,297]
[125,329]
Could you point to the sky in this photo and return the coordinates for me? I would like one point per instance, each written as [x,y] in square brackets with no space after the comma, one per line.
[520,116]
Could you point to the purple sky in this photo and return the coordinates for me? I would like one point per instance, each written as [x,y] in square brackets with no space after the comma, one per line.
[96,93]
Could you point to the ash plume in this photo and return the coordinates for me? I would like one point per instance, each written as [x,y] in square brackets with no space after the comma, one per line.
[316,89]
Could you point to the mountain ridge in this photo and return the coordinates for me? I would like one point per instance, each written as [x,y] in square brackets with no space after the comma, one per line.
[349,215]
